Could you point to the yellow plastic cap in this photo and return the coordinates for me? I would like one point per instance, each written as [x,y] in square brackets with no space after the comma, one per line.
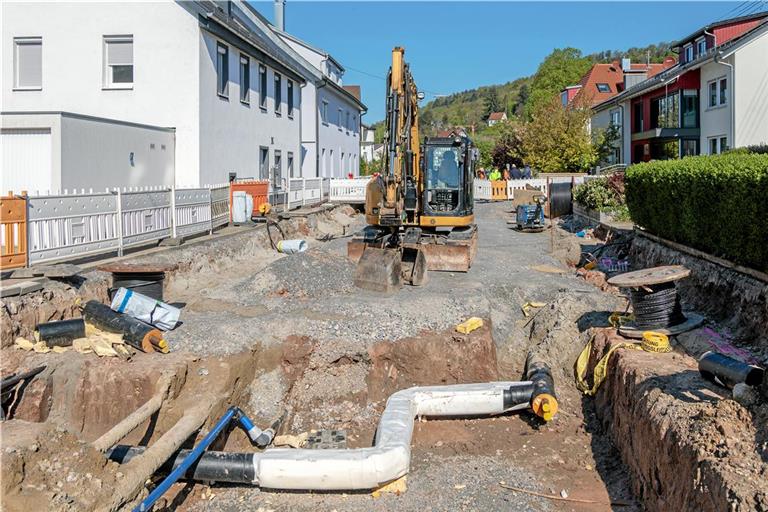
[544,406]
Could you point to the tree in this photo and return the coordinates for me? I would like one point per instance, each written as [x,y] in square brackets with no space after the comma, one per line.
[605,140]
[557,139]
[491,102]
[508,149]
[561,68]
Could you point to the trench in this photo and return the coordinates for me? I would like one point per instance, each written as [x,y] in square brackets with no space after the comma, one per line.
[621,447]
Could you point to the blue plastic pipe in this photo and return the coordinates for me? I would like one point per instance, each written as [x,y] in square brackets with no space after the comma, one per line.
[195,454]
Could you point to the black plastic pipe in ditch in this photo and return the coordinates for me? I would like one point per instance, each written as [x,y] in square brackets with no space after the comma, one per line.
[236,468]
[728,372]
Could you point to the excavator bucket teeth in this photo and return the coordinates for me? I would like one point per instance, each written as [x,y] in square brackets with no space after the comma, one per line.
[379,270]
[414,266]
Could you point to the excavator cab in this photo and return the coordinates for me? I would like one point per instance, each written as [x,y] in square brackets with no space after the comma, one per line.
[448,169]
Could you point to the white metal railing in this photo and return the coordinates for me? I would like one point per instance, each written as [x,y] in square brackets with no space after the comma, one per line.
[303,192]
[77,224]
[348,191]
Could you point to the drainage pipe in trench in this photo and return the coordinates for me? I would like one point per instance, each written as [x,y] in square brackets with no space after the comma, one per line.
[362,468]
[136,418]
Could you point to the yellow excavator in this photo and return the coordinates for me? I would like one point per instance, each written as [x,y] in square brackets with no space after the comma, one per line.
[419,208]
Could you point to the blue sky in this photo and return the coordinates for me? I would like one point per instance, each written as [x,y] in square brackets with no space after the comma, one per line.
[453,46]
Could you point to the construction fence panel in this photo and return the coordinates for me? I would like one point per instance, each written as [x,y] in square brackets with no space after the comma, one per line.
[192,211]
[313,191]
[482,190]
[348,190]
[512,185]
[69,226]
[295,193]
[219,206]
[13,232]
[145,216]
[326,189]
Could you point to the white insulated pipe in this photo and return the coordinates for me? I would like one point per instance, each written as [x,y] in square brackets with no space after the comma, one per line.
[389,458]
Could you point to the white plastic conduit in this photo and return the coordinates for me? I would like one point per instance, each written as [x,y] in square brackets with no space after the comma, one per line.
[389,458]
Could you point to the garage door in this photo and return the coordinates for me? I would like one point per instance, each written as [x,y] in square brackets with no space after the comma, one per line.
[26,160]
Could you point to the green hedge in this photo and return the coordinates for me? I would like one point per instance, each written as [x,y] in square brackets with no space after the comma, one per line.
[718,204]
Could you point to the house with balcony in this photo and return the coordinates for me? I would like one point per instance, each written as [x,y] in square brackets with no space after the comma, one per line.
[604,81]
[711,100]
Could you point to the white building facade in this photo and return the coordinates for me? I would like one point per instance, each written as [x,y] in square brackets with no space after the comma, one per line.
[331,129]
[201,69]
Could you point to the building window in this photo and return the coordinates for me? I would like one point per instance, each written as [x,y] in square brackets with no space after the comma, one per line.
[688,52]
[289,163]
[222,70]
[263,163]
[118,62]
[701,46]
[718,92]
[665,111]
[342,168]
[339,120]
[616,118]
[601,87]
[324,113]
[718,145]
[245,79]
[278,93]
[262,87]
[637,117]
[28,63]
[690,147]
[690,109]
[347,123]
[354,124]
[289,92]
[331,164]
[277,174]
[723,90]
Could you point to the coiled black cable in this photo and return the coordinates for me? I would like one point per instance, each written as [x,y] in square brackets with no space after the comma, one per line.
[660,308]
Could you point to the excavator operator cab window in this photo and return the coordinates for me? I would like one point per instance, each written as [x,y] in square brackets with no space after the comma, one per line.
[444,170]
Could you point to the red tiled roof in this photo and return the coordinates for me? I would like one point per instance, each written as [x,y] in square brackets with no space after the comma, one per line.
[611,78]
[496,116]
[354,90]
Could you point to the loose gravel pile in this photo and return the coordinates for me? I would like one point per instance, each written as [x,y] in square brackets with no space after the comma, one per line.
[312,274]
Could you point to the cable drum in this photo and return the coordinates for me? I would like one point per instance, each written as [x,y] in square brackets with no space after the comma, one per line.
[658,308]
[560,199]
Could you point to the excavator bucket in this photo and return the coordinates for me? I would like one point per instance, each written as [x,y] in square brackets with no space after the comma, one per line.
[385,270]
[379,270]
[414,266]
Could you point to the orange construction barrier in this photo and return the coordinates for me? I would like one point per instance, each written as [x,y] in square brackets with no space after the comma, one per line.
[499,190]
[13,231]
[259,190]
